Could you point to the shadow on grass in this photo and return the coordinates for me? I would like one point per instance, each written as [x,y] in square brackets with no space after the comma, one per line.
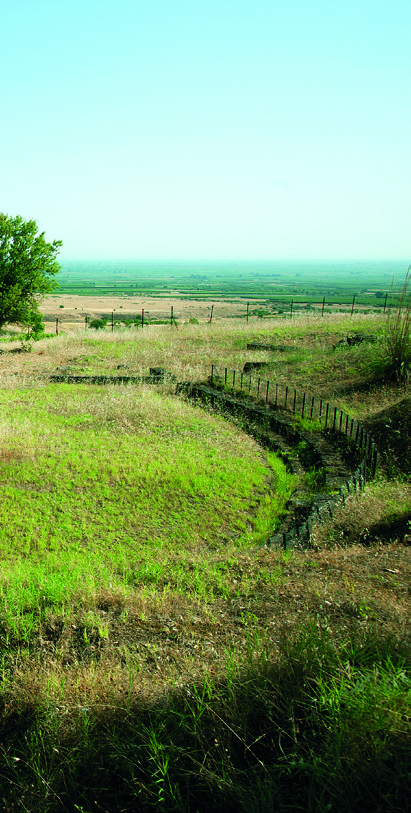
[391,429]
[322,729]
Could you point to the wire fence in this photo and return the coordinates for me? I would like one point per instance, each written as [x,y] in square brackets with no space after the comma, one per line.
[285,309]
[288,400]
[303,404]
[231,386]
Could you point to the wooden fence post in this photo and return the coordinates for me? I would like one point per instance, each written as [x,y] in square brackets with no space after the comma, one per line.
[266,394]
[322,310]
[211,314]
[295,398]
[57,326]
[248,308]
[352,307]
[303,407]
[385,302]
[85,323]
[142,319]
[286,396]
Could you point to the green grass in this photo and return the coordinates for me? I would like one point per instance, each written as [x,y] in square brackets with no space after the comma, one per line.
[114,477]
[152,655]
[189,352]
[321,728]
[393,361]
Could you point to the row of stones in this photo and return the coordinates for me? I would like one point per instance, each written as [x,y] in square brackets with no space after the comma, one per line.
[281,437]
[298,535]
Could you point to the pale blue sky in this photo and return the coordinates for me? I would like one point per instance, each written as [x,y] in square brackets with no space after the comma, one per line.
[209,129]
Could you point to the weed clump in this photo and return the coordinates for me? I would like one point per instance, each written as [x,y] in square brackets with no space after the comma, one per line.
[393,361]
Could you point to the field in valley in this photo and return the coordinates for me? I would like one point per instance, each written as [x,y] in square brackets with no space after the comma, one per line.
[155,655]
[195,290]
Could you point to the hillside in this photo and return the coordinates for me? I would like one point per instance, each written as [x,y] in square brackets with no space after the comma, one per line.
[155,653]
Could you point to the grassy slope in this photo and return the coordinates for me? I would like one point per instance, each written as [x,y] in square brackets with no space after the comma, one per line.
[146,665]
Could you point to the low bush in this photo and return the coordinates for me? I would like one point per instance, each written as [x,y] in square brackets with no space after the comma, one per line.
[393,360]
[98,324]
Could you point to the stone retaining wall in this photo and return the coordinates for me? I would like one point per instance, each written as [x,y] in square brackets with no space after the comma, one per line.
[262,421]
[257,418]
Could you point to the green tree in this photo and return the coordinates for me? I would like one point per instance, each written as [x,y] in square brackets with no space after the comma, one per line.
[98,324]
[27,269]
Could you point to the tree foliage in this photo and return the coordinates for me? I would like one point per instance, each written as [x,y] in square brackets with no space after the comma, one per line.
[98,324]
[27,269]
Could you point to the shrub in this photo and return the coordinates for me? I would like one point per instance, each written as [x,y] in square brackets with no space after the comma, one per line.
[98,324]
[394,361]
[35,330]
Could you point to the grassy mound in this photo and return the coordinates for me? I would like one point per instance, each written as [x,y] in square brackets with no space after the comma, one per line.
[153,657]
[104,485]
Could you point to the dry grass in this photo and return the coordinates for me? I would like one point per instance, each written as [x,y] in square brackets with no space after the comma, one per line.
[165,666]
[189,351]
[378,507]
[136,645]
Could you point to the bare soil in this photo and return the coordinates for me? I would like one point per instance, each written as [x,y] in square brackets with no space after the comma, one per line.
[72,309]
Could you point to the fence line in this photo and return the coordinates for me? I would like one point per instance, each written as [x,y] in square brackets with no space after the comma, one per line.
[299,535]
[293,306]
[306,405]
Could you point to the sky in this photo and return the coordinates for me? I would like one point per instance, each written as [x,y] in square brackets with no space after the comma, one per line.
[237,129]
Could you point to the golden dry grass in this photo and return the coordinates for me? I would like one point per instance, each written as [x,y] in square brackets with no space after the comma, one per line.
[186,620]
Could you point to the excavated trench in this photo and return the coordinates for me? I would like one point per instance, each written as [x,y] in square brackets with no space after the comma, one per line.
[326,462]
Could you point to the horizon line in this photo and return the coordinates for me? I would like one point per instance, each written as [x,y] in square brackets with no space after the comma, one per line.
[234,259]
